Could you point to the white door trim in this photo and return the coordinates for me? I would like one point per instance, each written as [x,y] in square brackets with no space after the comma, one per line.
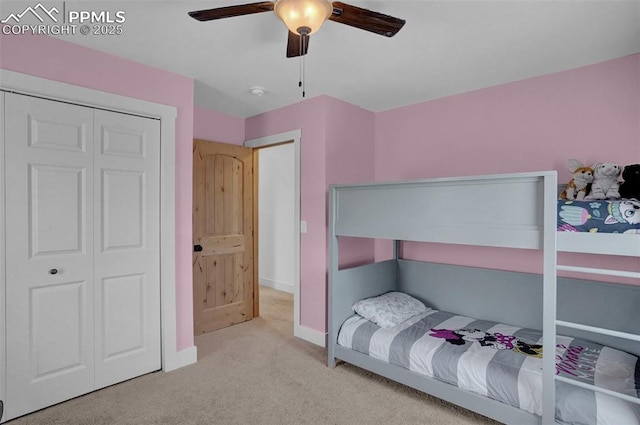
[295,136]
[54,90]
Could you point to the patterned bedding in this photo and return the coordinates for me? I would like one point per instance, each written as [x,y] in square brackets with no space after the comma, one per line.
[604,216]
[504,362]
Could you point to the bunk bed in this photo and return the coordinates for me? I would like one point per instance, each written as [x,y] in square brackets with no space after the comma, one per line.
[466,210]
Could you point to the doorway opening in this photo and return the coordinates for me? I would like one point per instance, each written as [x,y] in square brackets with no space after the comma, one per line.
[277,191]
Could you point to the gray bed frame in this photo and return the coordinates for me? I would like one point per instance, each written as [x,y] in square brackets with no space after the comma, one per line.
[413,211]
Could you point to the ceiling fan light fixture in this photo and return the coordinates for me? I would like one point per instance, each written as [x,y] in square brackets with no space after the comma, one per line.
[303,17]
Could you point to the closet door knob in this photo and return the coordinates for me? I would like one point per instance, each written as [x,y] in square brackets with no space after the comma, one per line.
[53,271]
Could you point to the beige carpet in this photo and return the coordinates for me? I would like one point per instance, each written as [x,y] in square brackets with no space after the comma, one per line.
[257,373]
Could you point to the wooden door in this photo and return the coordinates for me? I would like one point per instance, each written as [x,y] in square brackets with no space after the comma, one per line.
[223,260]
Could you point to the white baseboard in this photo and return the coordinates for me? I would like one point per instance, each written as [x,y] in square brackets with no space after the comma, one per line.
[310,335]
[183,358]
[280,286]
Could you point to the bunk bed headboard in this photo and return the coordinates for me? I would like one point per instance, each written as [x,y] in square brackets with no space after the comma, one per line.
[495,210]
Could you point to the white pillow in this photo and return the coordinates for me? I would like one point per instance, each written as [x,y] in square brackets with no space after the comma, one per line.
[387,310]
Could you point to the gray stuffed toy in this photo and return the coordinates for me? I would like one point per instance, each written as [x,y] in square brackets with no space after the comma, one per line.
[605,181]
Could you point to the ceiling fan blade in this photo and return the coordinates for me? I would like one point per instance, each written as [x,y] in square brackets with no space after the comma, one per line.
[366,19]
[231,11]
[293,45]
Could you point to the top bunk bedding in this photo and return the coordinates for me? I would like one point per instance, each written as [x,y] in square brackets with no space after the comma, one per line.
[599,216]
[609,227]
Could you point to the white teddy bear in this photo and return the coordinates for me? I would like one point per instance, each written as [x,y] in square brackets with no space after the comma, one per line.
[605,181]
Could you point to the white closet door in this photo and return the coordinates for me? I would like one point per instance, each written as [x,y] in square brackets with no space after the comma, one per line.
[49,259]
[83,250]
[127,246]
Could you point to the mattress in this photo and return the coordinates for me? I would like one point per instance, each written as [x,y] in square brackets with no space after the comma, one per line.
[504,363]
[603,216]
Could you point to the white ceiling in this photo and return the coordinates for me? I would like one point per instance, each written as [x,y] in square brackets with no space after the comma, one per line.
[446,47]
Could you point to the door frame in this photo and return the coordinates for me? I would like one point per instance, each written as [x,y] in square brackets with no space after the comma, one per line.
[19,83]
[294,137]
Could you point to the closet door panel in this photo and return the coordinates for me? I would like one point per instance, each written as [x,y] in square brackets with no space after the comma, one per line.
[49,235]
[56,209]
[127,246]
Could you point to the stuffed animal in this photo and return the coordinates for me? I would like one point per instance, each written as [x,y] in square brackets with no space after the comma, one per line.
[579,185]
[605,181]
[630,188]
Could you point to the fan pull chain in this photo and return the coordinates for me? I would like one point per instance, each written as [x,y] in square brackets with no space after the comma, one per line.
[300,62]
[303,77]
[302,67]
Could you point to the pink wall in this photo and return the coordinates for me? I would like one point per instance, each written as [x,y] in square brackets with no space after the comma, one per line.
[217,127]
[309,116]
[591,113]
[59,60]
[350,143]
[336,146]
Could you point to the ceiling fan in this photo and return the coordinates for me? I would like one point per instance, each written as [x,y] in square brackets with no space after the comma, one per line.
[304,17]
